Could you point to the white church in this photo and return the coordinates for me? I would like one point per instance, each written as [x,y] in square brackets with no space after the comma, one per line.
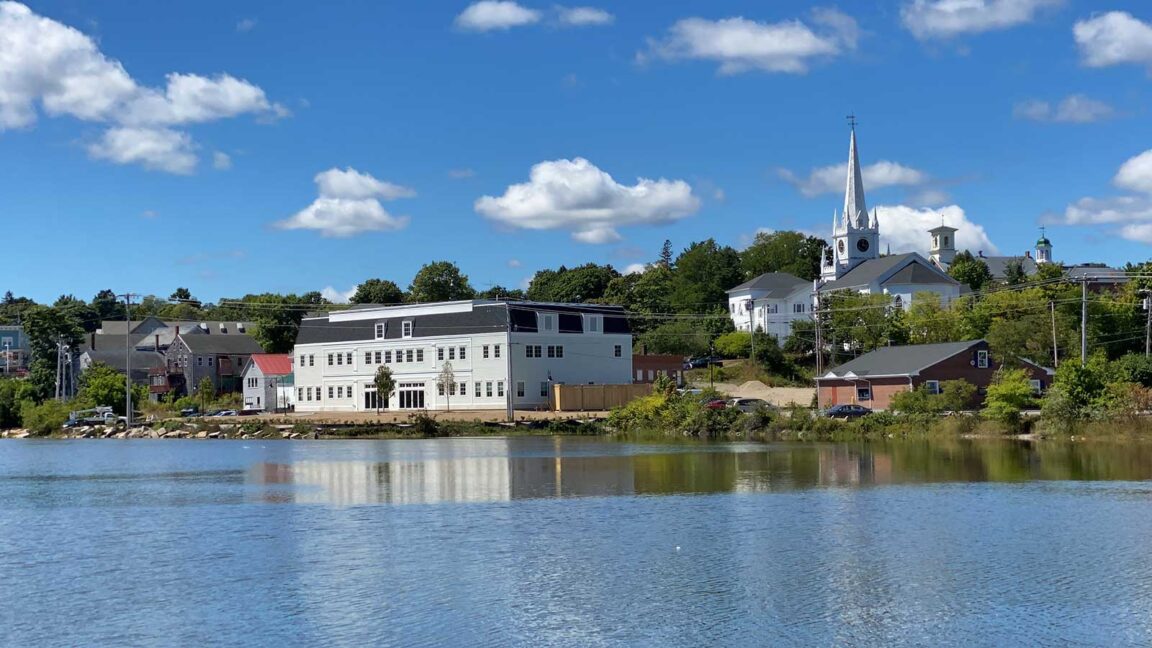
[773,301]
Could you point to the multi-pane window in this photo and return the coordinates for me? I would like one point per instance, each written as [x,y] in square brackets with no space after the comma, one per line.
[519,389]
[377,357]
[380,328]
[331,360]
[463,389]
[440,389]
[209,361]
[463,352]
[409,354]
[440,353]
[406,329]
[311,360]
[318,393]
[488,389]
[500,388]
[452,389]
[484,351]
[982,359]
[399,355]
[367,357]
[309,393]
[349,357]
[451,353]
[495,350]
[299,393]
[477,390]
[199,362]
[387,357]
[544,388]
[532,351]
[554,351]
[331,391]
[617,350]
[340,359]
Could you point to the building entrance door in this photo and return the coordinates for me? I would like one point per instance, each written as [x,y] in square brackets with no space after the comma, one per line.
[411,395]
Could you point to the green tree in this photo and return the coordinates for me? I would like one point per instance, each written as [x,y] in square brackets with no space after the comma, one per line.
[500,292]
[967,269]
[1076,395]
[787,251]
[577,285]
[205,393]
[703,274]
[385,384]
[1048,272]
[446,383]
[106,307]
[44,328]
[440,281]
[1014,274]
[13,393]
[378,291]
[929,323]
[80,311]
[101,385]
[1008,396]
[181,294]
[862,322]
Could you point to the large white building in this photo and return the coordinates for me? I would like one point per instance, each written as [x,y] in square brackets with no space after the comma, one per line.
[770,303]
[502,354]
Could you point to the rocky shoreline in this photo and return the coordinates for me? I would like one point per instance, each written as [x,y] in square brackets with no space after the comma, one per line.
[186,431]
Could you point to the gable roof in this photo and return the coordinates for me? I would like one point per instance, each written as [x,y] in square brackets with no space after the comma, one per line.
[224,344]
[905,360]
[875,269]
[997,264]
[773,284]
[914,273]
[273,364]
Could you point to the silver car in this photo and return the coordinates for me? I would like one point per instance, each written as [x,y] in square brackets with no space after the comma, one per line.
[749,404]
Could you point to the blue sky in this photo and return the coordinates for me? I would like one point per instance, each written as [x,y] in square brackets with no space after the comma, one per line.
[352,140]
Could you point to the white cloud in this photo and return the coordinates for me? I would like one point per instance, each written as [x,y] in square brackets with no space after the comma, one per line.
[831,179]
[935,19]
[350,183]
[742,45]
[929,197]
[1136,173]
[160,149]
[338,296]
[48,65]
[514,263]
[246,25]
[583,16]
[349,204]
[1113,38]
[905,229]
[488,15]
[575,195]
[1073,109]
[221,161]
[1108,211]
[1140,233]
[150,213]
[635,268]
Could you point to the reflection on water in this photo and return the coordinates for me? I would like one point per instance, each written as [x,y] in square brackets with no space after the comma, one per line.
[574,542]
[447,477]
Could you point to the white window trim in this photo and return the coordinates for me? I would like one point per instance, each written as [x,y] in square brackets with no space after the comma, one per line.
[933,386]
[406,329]
[981,359]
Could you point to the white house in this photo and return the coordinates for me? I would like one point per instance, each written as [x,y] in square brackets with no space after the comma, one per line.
[502,354]
[771,303]
[267,379]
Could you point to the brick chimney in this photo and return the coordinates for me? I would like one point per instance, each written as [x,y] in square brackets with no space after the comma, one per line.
[92,340]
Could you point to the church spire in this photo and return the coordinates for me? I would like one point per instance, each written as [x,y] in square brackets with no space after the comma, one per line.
[855,211]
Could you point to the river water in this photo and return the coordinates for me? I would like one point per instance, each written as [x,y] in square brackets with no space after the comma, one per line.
[573,542]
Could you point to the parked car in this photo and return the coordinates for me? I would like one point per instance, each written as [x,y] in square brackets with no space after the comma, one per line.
[225,413]
[847,411]
[716,403]
[703,362]
[189,412]
[749,404]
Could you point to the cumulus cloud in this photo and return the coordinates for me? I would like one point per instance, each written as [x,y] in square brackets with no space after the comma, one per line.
[742,45]
[635,268]
[575,195]
[1140,233]
[583,16]
[461,174]
[1136,173]
[933,19]
[349,204]
[160,149]
[489,15]
[832,178]
[49,66]
[1128,216]
[1113,38]
[221,161]
[246,25]
[1073,109]
[338,296]
[905,228]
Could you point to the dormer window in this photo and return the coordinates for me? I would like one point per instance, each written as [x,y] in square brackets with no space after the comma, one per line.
[593,323]
[547,322]
[406,329]
[381,329]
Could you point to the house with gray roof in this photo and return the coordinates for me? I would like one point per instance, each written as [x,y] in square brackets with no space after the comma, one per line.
[898,275]
[194,356]
[770,303]
[874,378]
[501,355]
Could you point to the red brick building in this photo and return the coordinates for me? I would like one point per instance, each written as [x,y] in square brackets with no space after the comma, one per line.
[645,368]
[873,378]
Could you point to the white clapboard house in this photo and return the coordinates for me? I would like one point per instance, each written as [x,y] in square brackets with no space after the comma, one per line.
[502,354]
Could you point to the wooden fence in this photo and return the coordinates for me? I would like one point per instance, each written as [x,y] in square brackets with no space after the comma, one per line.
[595,398]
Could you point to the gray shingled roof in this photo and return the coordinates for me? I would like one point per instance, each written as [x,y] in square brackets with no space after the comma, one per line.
[901,360]
[871,270]
[224,344]
[142,361]
[774,284]
[997,264]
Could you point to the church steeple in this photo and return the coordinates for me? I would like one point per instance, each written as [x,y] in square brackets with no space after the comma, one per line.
[855,211]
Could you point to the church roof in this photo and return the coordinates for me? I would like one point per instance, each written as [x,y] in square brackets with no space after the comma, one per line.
[914,273]
[773,284]
[874,270]
[997,265]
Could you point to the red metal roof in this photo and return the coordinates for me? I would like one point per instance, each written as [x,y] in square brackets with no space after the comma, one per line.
[273,364]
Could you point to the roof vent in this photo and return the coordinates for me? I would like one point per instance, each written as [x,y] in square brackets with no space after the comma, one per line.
[223,329]
[240,326]
[204,326]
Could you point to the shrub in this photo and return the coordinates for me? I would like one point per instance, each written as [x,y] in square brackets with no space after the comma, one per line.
[45,418]
[1008,395]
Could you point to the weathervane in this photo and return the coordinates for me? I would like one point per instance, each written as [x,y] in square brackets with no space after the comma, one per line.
[852,121]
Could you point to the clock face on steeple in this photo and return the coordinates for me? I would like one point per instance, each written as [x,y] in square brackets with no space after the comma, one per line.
[862,245]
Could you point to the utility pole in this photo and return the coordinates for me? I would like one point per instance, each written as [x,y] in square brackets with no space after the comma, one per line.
[1147,324]
[128,357]
[819,347]
[1055,350]
[1084,321]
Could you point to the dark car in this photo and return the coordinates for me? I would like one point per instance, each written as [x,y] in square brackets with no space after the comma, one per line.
[749,404]
[847,411]
[703,362]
